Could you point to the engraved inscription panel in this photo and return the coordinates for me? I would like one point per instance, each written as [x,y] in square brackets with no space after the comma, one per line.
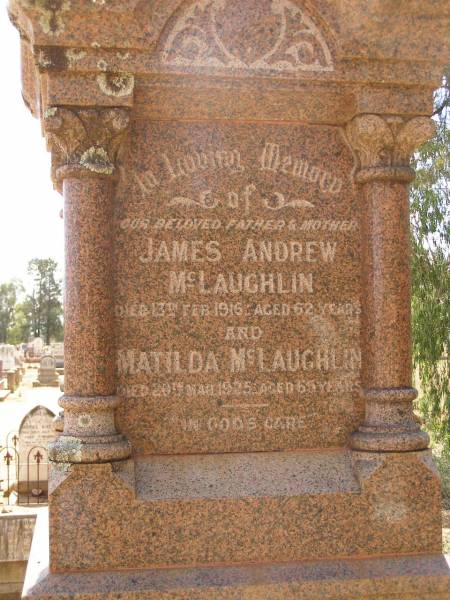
[237,299]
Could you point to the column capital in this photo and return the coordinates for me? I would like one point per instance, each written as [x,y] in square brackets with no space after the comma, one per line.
[384,145]
[85,141]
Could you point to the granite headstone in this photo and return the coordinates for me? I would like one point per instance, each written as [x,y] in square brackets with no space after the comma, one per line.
[47,374]
[238,406]
[36,431]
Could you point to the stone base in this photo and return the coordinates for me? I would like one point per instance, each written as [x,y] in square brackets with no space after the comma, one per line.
[51,383]
[47,378]
[234,509]
[424,577]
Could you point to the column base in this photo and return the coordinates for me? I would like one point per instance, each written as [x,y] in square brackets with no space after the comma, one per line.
[424,576]
[367,440]
[90,434]
[104,449]
[390,424]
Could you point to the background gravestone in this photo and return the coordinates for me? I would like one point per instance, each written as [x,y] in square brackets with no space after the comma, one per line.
[36,431]
[11,366]
[47,374]
[58,354]
[35,349]
[7,356]
[237,297]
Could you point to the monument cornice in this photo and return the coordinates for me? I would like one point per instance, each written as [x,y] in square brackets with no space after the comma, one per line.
[52,57]
[146,63]
[89,53]
[160,95]
[142,25]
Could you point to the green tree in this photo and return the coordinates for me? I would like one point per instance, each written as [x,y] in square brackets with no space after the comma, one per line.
[430,226]
[8,298]
[20,330]
[44,305]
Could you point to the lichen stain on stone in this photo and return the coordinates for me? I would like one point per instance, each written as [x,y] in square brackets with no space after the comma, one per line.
[61,468]
[116,84]
[50,112]
[73,55]
[97,160]
[51,20]
[43,60]
[391,511]
[102,65]
[53,58]
[66,450]
[84,420]
[59,472]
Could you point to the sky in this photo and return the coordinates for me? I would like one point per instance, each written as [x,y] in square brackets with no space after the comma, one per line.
[30,222]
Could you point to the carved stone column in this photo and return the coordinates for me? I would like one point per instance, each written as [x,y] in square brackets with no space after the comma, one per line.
[384,147]
[85,144]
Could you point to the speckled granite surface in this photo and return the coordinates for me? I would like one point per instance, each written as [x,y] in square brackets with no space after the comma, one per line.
[260,351]
[423,577]
[238,399]
[245,508]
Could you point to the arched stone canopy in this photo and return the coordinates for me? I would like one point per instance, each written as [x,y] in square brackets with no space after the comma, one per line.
[276,36]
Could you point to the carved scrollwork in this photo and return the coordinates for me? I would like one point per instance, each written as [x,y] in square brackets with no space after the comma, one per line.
[387,141]
[273,35]
[86,139]
[278,201]
[207,201]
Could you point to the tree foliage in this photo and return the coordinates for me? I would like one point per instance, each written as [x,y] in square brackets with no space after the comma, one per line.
[430,227]
[8,299]
[44,305]
[37,313]
[20,330]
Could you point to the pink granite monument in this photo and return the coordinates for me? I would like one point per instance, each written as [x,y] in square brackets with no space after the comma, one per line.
[238,409]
